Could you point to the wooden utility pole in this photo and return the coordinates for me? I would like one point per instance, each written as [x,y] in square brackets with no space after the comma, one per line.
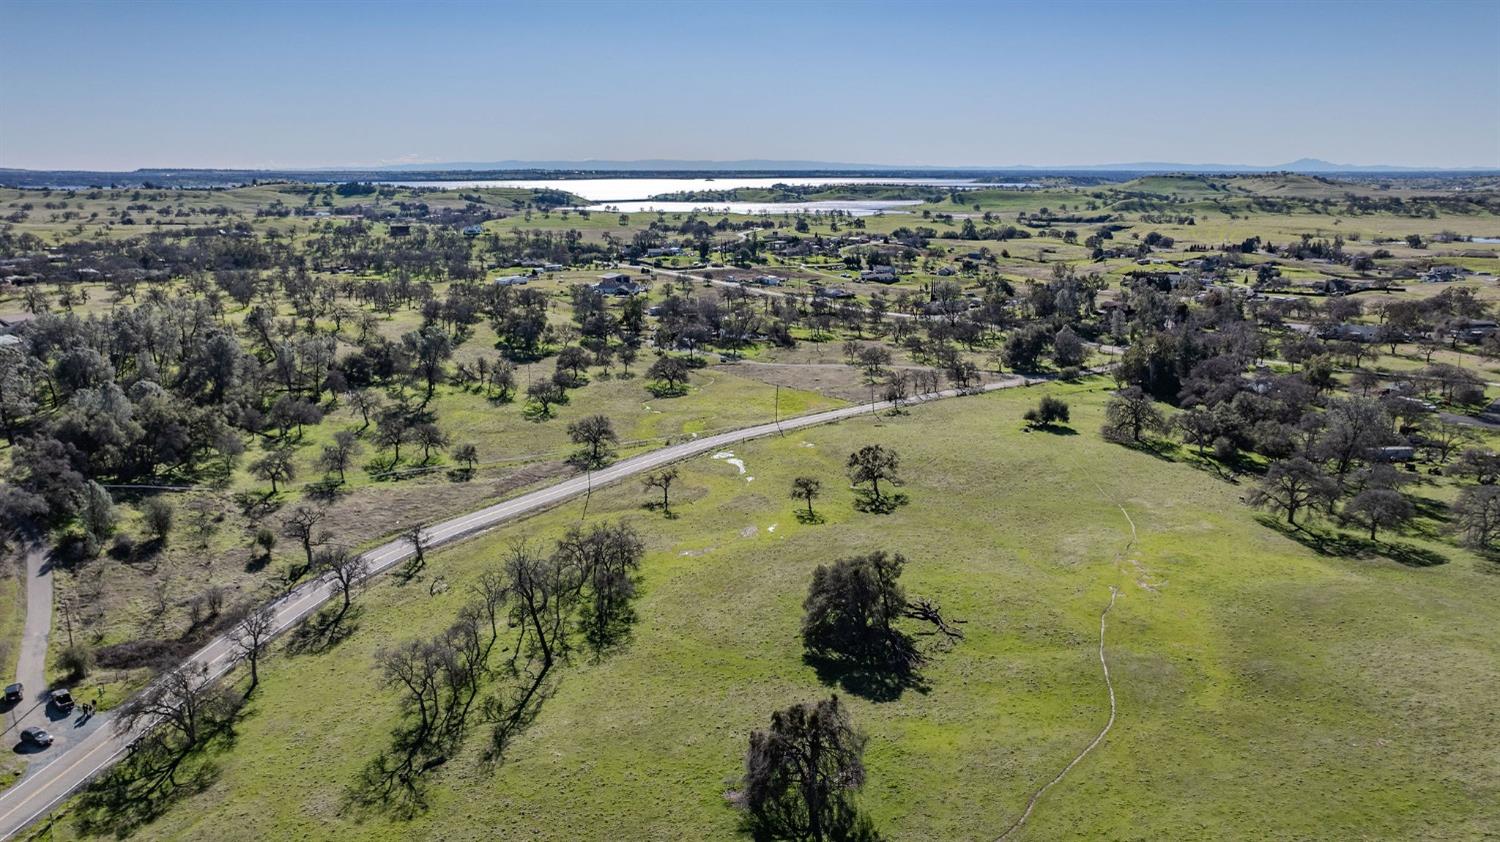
[588,493]
[67,607]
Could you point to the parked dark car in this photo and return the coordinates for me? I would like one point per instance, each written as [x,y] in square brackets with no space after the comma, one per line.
[62,699]
[14,693]
[36,736]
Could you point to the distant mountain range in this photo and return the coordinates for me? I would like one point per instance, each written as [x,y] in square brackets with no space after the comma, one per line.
[1301,165]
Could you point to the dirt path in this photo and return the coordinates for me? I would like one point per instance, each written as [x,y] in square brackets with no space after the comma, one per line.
[31,667]
[1109,685]
[1098,738]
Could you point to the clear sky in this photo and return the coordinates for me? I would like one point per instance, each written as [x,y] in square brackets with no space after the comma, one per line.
[120,85]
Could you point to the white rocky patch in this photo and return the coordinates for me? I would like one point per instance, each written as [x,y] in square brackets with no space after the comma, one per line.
[739,464]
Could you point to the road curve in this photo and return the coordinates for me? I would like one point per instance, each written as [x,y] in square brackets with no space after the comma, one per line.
[36,794]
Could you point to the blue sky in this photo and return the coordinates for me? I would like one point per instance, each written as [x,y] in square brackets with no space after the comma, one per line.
[120,85]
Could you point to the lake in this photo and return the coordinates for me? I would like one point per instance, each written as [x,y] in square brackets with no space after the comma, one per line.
[613,190]
[853,207]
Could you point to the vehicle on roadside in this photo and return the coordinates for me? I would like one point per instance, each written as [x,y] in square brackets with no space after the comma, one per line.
[14,693]
[62,699]
[36,736]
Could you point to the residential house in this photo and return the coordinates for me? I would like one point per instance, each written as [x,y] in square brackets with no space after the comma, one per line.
[1475,330]
[1441,274]
[617,283]
[1351,332]
[1393,453]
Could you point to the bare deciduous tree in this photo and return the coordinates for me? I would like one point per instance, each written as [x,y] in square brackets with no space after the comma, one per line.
[251,637]
[662,479]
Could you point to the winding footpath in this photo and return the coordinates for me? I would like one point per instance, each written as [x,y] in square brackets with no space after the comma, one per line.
[1109,683]
[1098,738]
[72,765]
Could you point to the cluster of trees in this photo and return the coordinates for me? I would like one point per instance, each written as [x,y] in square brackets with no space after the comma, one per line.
[579,595]
[82,391]
[1326,449]
[802,773]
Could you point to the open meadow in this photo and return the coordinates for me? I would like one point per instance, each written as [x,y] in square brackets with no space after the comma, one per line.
[1264,689]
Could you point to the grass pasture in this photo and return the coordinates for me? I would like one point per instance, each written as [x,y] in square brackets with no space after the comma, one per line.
[1265,691]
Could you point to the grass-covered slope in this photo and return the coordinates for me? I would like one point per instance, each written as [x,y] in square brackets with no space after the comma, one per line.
[1264,691]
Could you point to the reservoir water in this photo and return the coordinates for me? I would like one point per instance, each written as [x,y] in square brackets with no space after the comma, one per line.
[853,207]
[612,190]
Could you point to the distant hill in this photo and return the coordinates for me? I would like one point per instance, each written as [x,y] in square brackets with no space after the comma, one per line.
[1301,165]
[648,164]
[668,168]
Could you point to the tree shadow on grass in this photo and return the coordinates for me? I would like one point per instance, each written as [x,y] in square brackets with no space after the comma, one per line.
[394,782]
[1054,429]
[884,504]
[1165,451]
[257,562]
[323,631]
[114,806]
[509,724]
[1228,472]
[254,506]
[1427,508]
[324,490]
[1341,545]
[501,399]
[133,793]
[809,518]
[875,681]
[536,413]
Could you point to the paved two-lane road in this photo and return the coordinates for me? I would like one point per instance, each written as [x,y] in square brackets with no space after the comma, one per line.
[45,787]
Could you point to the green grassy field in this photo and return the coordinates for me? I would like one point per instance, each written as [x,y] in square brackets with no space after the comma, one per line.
[515,454]
[1265,691]
[12,618]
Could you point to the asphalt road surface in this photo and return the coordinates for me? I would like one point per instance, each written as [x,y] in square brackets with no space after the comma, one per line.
[71,765]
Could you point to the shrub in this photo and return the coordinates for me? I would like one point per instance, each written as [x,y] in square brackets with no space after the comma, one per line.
[76,660]
[1047,413]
